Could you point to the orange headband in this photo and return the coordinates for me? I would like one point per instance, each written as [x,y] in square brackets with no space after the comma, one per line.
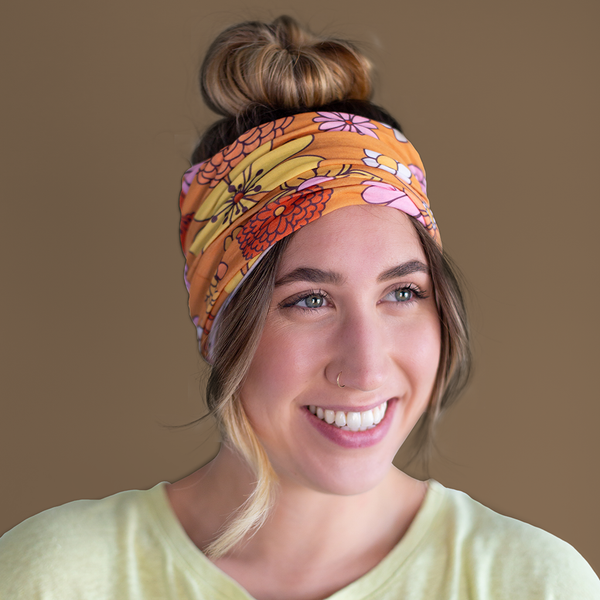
[277,178]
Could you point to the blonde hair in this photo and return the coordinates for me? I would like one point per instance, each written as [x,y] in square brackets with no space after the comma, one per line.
[238,336]
[280,65]
[237,340]
[253,72]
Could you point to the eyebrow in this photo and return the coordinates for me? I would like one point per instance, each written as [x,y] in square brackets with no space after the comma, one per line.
[312,275]
[320,276]
[412,266]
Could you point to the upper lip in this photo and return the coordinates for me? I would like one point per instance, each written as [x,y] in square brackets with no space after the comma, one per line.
[347,409]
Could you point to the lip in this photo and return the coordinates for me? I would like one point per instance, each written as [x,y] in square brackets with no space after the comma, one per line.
[354,439]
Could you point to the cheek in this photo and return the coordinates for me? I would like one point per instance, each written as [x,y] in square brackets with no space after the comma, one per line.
[285,358]
[420,348]
[277,373]
[428,346]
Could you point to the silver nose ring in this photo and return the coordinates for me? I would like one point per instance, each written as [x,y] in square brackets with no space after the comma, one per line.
[338,380]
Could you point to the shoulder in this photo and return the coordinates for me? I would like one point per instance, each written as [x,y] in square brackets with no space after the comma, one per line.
[508,555]
[67,543]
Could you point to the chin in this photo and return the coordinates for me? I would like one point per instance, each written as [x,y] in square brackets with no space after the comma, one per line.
[341,478]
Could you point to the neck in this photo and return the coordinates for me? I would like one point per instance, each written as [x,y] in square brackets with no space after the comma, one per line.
[306,527]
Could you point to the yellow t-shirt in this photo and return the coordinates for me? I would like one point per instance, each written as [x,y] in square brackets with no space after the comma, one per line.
[131,546]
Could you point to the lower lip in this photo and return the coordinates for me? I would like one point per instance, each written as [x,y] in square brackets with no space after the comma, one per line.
[354,439]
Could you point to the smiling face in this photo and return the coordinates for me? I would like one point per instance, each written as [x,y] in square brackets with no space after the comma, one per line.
[353,298]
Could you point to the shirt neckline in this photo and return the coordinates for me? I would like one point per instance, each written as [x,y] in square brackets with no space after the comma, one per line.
[174,535]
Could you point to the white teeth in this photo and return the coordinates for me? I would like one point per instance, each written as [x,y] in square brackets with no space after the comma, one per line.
[377,414]
[351,421]
[366,420]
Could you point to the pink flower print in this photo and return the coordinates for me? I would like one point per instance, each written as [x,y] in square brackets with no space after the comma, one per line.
[397,134]
[377,192]
[195,321]
[185,279]
[313,181]
[188,177]
[380,161]
[419,176]
[339,121]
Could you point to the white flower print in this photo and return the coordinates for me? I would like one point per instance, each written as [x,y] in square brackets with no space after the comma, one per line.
[380,161]
[397,134]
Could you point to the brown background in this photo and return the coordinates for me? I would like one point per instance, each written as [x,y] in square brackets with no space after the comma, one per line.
[100,111]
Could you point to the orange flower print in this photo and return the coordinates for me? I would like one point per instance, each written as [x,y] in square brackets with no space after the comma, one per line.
[212,294]
[232,236]
[204,331]
[213,170]
[280,218]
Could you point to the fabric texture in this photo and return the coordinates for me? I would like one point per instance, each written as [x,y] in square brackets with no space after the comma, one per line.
[130,546]
[277,178]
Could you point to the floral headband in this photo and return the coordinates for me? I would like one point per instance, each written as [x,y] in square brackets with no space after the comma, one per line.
[277,178]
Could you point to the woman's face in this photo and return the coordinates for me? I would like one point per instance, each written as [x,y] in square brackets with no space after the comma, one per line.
[353,296]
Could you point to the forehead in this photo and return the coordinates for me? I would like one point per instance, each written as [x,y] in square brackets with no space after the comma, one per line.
[355,237]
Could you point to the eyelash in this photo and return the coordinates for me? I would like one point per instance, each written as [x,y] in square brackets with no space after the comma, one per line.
[418,294]
[294,300]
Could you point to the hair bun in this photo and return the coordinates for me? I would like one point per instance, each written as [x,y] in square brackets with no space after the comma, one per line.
[280,66]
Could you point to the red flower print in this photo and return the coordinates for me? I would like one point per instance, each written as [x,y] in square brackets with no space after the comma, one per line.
[280,218]
[207,327]
[212,171]
[339,121]
[184,226]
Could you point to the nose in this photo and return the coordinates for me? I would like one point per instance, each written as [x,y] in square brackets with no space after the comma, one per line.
[362,354]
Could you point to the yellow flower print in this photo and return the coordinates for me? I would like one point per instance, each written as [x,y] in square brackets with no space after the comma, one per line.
[380,161]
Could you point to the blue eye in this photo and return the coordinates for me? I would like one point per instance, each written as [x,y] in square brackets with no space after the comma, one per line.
[312,301]
[404,294]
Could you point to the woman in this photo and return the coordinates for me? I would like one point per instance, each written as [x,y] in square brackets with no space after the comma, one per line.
[333,324]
